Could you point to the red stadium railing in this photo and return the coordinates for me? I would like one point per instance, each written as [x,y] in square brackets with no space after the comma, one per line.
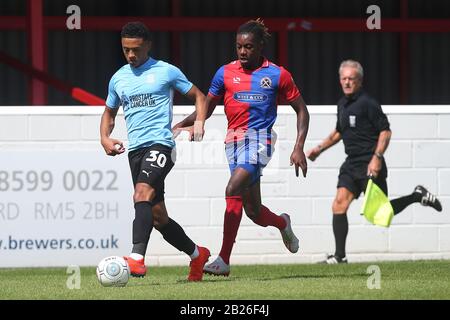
[75,92]
[38,25]
[114,23]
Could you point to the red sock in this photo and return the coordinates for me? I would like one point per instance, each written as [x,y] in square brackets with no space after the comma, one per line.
[268,218]
[232,219]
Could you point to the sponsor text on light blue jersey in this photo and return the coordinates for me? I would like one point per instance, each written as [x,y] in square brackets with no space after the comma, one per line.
[146,96]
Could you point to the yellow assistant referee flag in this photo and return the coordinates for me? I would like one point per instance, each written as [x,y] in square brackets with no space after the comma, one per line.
[376,206]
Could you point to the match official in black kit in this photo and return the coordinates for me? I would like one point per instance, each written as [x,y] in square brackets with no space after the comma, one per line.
[365,131]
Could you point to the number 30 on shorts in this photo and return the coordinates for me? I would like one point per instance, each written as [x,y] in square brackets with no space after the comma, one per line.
[158,157]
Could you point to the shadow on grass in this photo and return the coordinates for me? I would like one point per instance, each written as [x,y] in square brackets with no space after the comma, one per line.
[315,276]
[181,281]
[244,277]
[345,275]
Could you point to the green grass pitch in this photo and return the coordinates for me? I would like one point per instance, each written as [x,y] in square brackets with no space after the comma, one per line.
[398,280]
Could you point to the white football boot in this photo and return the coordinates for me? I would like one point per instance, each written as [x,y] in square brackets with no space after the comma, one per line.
[333,259]
[289,238]
[217,268]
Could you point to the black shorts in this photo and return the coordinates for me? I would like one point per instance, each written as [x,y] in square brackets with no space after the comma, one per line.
[151,165]
[353,176]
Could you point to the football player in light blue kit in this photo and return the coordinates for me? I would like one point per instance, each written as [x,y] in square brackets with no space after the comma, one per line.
[144,89]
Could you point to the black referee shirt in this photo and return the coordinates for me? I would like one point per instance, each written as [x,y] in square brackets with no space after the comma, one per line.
[360,120]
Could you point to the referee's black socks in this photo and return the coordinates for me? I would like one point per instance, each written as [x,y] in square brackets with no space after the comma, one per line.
[340,230]
[400,204]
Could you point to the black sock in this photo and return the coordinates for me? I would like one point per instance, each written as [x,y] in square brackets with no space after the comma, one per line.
[174,234]
[142,226]
[400,204]
[340,230]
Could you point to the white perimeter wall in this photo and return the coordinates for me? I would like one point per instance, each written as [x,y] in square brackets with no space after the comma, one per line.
[419,153]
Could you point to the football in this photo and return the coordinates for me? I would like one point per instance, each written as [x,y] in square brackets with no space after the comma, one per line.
[113,272]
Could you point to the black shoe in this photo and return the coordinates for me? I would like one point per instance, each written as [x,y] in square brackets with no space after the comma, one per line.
[333,259]
[428,199]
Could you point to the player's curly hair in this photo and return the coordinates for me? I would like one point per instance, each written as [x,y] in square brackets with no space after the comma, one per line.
[257,28]
[135,29]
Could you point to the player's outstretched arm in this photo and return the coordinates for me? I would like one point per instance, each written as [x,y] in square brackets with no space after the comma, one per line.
[187,124]
[194,94]
[298,156]
[112,146]
[333,138]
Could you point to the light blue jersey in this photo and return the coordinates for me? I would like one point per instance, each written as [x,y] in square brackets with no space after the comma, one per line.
[146,95]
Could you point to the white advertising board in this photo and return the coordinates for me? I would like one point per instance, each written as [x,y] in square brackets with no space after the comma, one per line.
[59,208]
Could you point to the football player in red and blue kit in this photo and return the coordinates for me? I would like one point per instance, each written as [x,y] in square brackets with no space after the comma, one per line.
[251,88]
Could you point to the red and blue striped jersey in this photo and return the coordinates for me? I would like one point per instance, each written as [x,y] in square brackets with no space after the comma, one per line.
[251,96]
